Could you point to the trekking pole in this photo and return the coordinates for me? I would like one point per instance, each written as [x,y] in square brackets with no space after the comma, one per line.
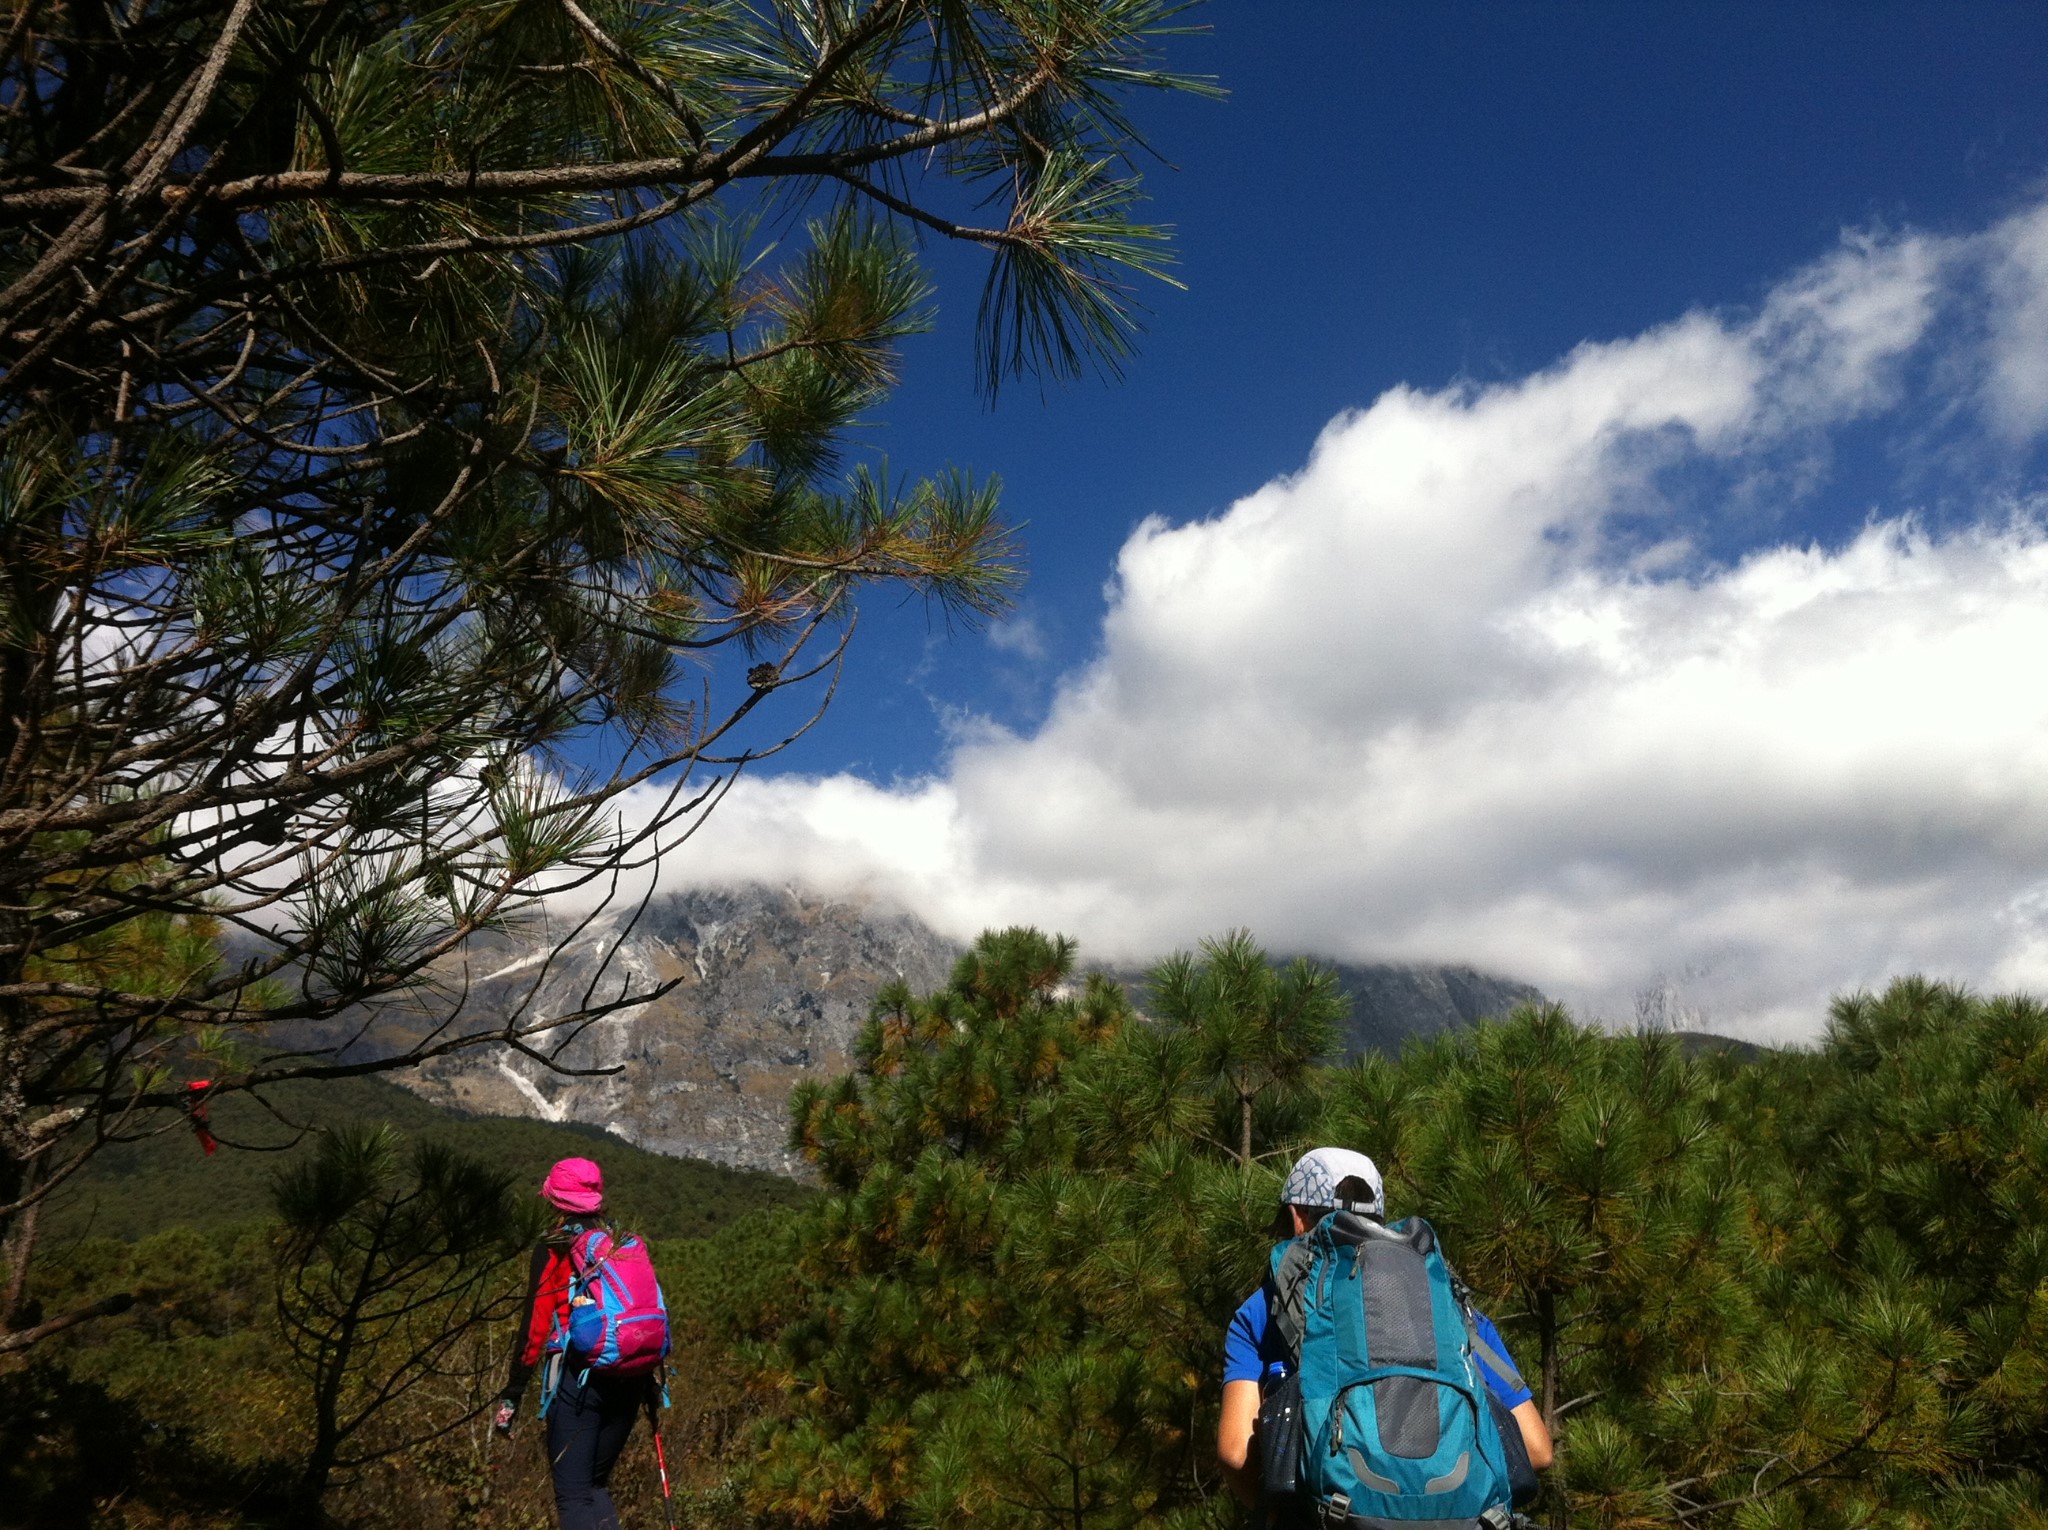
[499,1426]
[668,1504]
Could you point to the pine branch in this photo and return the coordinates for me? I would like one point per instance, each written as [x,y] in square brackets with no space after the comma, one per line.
[107,1306]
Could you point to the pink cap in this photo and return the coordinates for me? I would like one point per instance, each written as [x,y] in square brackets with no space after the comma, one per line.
[575,1185]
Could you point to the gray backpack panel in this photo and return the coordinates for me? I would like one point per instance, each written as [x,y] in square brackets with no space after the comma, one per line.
[1400,1330]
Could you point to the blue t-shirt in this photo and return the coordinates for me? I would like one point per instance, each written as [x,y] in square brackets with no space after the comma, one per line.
[1253,1351]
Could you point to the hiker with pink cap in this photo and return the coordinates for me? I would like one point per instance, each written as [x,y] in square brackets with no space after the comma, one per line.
[575,1186]
[597,1329]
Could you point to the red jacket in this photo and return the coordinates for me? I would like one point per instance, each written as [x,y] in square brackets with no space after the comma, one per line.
[547,1307]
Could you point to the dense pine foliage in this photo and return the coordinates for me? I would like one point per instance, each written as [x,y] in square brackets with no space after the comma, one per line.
[1808,1288]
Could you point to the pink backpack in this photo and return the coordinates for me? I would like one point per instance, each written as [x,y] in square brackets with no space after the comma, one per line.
[618,1322]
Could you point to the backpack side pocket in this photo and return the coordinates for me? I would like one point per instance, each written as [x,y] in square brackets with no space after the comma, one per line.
[1522,1483]
[1278,1440]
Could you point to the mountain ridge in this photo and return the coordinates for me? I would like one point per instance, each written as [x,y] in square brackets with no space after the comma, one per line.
[770,986]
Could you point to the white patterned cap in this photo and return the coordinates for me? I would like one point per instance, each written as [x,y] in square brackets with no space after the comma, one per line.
[1316,1174]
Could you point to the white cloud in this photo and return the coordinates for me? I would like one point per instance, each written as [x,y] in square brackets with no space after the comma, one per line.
[2017,377]
[1018,635]
[1462,689]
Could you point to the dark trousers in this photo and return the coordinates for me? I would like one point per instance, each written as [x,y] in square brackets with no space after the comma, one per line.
[588,1423]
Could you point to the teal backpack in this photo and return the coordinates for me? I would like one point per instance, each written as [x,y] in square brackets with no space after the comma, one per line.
[1396,1427]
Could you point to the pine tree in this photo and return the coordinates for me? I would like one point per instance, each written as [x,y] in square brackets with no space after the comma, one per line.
[402,409]
[1066,1443]
[1912,1170]
[163,956]
[388,1264]
[1627,1213]
[919,1145]
[1018,1301]
[1257,1029]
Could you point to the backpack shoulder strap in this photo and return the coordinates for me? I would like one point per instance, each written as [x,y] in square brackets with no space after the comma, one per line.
[587,1255]
[1286,1290]
[1490,1355]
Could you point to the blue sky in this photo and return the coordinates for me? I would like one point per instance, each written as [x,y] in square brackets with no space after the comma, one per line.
[1587,517]
[1421,194]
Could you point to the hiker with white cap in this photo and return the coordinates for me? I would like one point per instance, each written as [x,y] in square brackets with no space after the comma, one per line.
[1362,1325]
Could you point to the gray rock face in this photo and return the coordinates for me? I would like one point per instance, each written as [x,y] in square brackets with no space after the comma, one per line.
[771,987]
[1391,1004]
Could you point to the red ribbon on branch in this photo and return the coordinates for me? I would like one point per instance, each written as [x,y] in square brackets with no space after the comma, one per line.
[195,1111]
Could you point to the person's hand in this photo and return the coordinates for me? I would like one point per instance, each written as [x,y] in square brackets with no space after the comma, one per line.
[508,1410]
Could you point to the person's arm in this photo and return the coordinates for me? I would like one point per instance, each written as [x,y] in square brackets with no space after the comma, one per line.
[1497,1369]
[1535,1434]
[1234,1440]
[1243,1365]
[526,1348]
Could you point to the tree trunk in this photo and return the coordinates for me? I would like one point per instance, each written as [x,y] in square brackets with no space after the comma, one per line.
[1546,1326]
[313,1483]
[18,1156]
[1244,1128]
[326,1427]
[19,1248]
[30,595]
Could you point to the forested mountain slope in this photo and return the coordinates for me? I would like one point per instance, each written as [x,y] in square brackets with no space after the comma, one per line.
[134,1189]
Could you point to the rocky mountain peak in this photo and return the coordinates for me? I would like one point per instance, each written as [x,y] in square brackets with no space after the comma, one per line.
[771,986]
